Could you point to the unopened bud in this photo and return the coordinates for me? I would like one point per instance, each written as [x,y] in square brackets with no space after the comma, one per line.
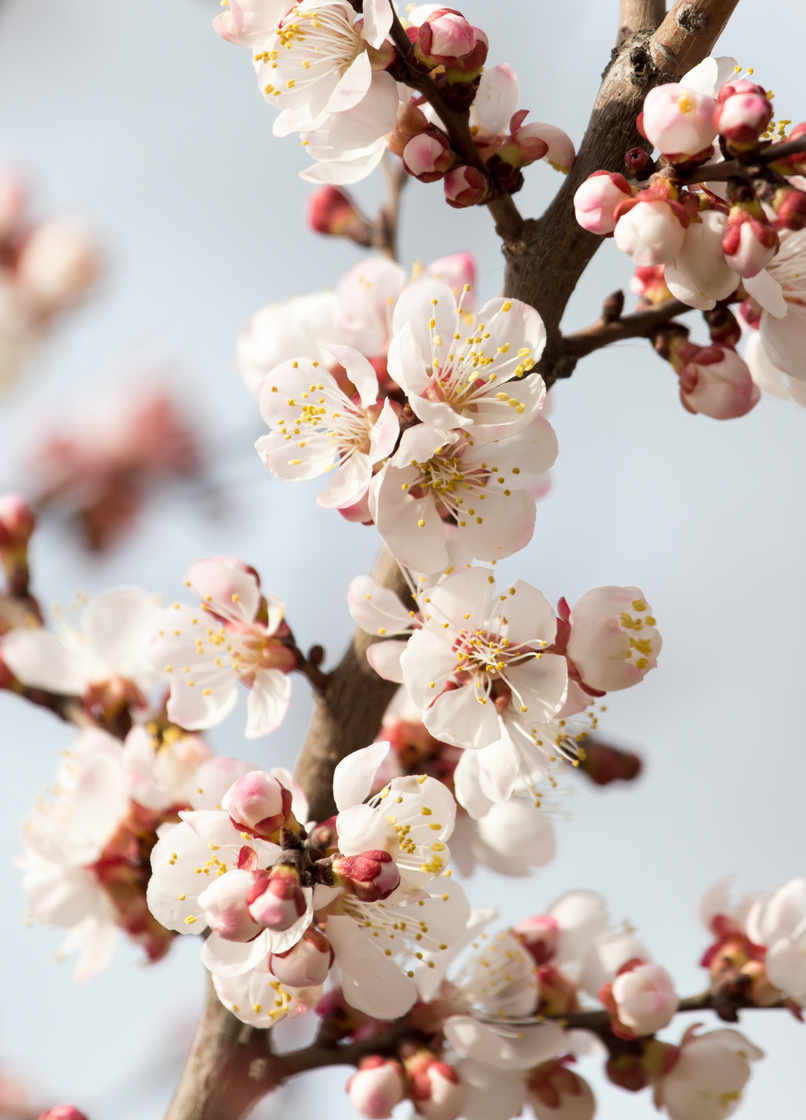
[306,964]
[377,1087]
[257,803]
[17,522]
[750,241]
[742,115]
[436,1091]
[464,186]
[428,156]
[331,211]
[371,876]
[275,899]
[446,38]
[13,197]
[717,383]
[596,200]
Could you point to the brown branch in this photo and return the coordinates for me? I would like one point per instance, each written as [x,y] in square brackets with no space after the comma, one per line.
[639,15]
[638,325]
[688,33]
[546,262]
[735,168]
[348,713]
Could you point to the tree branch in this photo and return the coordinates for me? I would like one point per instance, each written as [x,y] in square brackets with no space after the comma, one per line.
[638,325]
[735,168]
[545,263]
[639,15]
[688,33]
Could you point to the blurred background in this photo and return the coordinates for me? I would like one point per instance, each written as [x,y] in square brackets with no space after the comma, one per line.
[141,122]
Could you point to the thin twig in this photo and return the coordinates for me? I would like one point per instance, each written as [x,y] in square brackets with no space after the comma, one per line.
[509,223]
[638,325]
[738,169]
[388,220]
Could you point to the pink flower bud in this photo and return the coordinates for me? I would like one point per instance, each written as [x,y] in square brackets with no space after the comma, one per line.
[331,211]
[464,186]
[717,383]
[57,266]
[539,935]
[650,230]
[445,38]
[445,1092]
[225,908]
[275,899]
[750,241]
[376,1088]
[555,1092]
[305,964]
[645,999]
[17,522]
[742,115]
[428,156]
[678,121]
[597,198]
[63,1112]
[258,803]
[371,876]
[639,163]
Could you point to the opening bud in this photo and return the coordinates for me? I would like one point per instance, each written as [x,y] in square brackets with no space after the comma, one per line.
[678,121]
[717,383]
[750,241]
[557,1093]
[371,876]
[57,266]
[539,935]
[260,805]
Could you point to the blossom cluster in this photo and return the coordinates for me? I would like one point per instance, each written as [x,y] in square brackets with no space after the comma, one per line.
[46,267]
[351,84]
[713,241]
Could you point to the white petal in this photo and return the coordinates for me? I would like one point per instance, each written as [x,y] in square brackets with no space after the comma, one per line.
[354,775]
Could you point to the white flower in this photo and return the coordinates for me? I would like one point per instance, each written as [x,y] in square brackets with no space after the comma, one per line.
[316,428]
[478,661]
[77,843]
[645,998]
[485,488]
[707,1080]
[614,641]
[160,767]
[110,645]
[456,368]
[411,818]
[231,636]
[778,921]
[316,63]
[780,291]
